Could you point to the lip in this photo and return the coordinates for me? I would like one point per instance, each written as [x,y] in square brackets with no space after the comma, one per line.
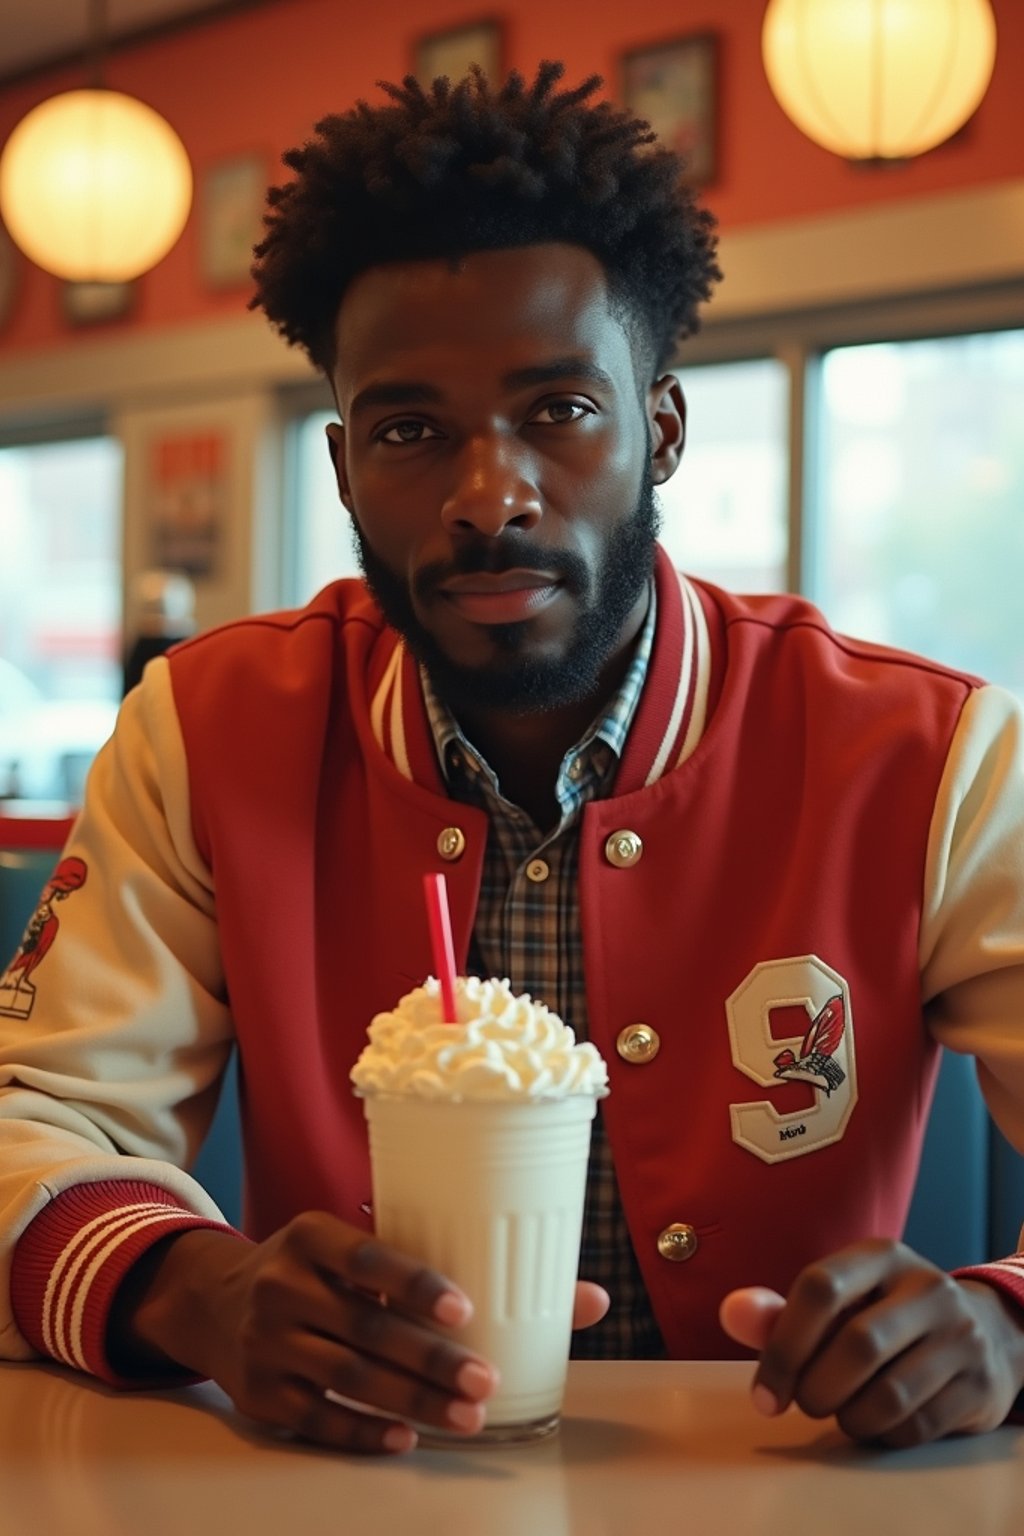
[502,597]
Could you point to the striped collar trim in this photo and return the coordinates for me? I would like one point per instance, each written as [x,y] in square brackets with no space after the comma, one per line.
[688,715]
[387,716]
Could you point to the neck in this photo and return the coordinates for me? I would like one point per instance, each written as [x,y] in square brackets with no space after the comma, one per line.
[526,750]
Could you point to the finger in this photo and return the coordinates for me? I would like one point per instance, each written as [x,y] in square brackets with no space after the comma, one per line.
[919,1397]
[869,1344]
[818,1299]
[353,1324]
[590,1305]
[945,1414]
[358,1377]
[344,1374]
[307,1414]
[748,1315]
[372,1266]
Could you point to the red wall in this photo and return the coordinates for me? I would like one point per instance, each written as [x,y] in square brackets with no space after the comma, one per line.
[259,79]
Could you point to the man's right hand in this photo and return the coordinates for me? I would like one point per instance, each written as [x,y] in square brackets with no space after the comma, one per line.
[318,1307]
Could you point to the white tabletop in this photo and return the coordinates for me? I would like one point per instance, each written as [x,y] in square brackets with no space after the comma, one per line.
[644,1448]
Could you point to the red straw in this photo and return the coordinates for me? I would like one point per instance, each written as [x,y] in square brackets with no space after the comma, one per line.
[436,892]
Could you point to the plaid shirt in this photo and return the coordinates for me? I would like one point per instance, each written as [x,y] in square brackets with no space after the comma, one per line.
[528,929]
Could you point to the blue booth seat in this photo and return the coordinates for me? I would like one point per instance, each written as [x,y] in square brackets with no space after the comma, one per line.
[968,1202]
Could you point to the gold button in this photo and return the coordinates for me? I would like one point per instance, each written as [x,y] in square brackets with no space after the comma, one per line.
[538,870]
[678,1242]
[623,849]
[638,1043]
[451,844]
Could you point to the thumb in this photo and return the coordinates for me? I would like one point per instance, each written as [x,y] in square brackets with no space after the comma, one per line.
[592,1302]
[748,1315]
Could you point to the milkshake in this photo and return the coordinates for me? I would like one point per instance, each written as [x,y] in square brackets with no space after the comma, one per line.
[479,1138]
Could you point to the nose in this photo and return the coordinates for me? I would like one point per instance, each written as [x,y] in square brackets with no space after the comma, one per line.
[492,490]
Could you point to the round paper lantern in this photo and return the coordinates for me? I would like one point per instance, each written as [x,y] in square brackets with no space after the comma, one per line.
[95,186]
[879,79]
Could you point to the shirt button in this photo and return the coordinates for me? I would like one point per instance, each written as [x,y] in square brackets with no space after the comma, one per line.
[677,1243]
[451,844]
[638,1043]
[575,768]
[538,870]
[624,849]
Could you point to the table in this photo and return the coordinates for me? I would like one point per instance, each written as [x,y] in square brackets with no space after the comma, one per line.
[645,1447]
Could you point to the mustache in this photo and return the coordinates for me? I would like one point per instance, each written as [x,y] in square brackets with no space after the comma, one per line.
[495,556]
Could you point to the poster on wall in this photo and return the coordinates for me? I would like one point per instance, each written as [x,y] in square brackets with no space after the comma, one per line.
[188,497]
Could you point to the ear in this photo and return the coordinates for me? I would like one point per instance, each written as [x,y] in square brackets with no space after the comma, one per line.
[336,449]
[666,413]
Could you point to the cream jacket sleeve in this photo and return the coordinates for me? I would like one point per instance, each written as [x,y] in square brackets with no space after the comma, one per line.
[972,933]
[110,1064]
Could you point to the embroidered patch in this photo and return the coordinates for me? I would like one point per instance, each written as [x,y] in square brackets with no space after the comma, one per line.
[822,1056]
[17,990]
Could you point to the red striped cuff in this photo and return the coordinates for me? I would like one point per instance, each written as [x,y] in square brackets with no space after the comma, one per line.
[1007,1276]
[70,1260]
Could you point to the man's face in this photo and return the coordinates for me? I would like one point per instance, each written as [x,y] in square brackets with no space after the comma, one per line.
[499,464]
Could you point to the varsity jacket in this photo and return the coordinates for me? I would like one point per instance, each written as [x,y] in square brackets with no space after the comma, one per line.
[809,875]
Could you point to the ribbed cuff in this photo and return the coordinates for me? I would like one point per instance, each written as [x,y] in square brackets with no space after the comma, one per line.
[1006,1276]
[71,1259]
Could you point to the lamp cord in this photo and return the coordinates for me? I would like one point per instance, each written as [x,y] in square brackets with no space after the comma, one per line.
[97,43]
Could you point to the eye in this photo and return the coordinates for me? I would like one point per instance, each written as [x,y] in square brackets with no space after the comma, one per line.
[561,412]
[407,431]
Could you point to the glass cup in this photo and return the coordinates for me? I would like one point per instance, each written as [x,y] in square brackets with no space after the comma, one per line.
[490,1194]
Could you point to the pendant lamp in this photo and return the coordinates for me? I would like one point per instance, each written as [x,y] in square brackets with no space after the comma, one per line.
[94,185]
[879,79]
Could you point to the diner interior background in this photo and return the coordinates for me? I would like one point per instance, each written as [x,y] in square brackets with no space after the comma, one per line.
[856,398]
[856,394]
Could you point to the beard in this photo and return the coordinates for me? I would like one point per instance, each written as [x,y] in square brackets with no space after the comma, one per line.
[513,680]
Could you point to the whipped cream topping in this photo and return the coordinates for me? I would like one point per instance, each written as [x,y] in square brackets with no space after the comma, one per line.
[503,1047]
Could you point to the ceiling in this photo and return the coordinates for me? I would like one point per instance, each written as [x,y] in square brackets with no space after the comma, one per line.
[36,33]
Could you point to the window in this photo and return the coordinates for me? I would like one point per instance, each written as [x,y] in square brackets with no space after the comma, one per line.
[724,510]
[919,536]
[60,612]
[323,546]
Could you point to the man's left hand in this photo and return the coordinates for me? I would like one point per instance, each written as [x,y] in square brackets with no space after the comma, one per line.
[898,1350]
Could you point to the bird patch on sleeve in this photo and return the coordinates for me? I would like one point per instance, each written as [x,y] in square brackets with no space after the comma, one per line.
[17,983]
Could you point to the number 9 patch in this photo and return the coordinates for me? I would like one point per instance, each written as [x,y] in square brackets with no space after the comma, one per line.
[822,1056]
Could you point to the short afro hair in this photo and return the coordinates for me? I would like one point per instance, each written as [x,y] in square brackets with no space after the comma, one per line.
[457,168]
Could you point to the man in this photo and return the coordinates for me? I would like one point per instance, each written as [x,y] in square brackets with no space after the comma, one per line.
[737,852]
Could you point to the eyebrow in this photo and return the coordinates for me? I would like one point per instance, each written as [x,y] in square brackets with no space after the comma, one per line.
[418,392]
[558,368]
[395,392]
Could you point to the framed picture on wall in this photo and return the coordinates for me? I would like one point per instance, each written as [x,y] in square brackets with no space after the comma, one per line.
[453,51]
[674,86]
[231,202]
